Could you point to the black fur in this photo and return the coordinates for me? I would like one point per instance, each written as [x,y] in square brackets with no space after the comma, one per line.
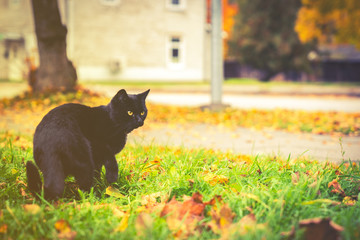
[78,140]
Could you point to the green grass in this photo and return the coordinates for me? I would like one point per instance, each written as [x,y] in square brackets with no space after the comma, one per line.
[263,183]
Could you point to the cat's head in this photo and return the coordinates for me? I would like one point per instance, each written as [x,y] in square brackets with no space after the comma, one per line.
[128,110]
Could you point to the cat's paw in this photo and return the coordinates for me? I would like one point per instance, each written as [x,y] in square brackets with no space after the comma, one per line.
[111,176]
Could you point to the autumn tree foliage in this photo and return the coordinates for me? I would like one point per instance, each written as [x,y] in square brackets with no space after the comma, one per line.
[329,21]
[55,72]
[264,37]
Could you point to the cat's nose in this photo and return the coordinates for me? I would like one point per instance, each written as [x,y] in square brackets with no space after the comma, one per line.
[139,121]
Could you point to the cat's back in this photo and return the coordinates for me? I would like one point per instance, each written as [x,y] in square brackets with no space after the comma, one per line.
[62,120]
[63,115]
[60,134]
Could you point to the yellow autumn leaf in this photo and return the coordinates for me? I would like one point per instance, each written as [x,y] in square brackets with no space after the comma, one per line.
[349,201]
[214,179]
[113,192]
[123,224]
[150,200]
[323,201]
[31,208]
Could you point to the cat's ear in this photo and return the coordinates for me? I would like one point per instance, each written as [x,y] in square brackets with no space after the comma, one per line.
[144,94]
[121,95]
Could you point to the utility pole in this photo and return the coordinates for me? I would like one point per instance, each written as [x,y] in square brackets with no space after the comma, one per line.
[216,54]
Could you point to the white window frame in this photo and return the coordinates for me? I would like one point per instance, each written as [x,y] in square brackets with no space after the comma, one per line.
[175,7]
[171,62]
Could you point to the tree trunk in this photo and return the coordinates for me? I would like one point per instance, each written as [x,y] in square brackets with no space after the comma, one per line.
[56,72]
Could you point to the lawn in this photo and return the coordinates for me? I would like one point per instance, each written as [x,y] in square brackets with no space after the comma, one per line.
[184,193]
[165,193]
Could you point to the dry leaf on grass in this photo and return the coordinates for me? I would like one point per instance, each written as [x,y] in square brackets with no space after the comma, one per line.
[111,191]
[123,223]
[221,219]
[337,187]
[183,217]
[31,208]
[64,231]
[349,201]
[3,228]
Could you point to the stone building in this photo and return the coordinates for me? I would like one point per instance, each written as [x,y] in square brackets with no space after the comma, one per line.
[162,40]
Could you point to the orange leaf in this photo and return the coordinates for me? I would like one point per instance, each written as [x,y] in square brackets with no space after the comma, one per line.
[3,228]
[337,187]
[222,219]
[64,231]
[182,218]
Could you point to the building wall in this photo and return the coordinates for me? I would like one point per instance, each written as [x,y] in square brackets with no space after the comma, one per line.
[17,38]
[124,39]
[130,40]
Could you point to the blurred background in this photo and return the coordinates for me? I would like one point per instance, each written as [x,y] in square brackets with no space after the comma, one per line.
[289,65]
[169,40]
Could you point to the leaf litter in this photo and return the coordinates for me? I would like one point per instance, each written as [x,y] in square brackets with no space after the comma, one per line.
[192,215]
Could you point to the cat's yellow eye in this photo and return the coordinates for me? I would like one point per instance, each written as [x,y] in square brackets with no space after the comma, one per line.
[130,113]
[142,113]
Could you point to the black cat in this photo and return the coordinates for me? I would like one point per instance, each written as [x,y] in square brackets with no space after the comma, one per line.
[78,140]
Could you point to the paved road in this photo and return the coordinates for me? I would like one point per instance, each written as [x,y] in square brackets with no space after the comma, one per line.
[247,141]
[244,99]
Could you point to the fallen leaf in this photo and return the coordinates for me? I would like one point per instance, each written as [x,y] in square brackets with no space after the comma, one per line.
[183,217]
[349,201]
[3,228]
[118,213]
[150,200]
[337,187]
[123,224]
[31,208]
[214,179]
[113,192]
[64,231]
[221,219]
[323,201]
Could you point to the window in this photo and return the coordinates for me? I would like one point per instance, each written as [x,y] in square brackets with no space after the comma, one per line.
[175,5]
[175,52]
